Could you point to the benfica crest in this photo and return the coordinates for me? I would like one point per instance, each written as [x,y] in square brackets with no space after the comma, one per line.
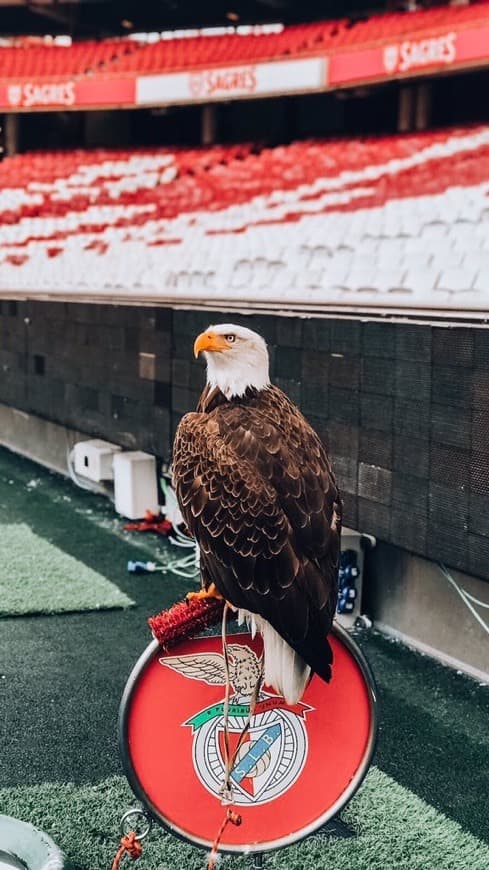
[296,767]
[275,749]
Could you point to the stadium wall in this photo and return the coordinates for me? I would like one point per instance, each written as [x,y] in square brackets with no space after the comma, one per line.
[402,408]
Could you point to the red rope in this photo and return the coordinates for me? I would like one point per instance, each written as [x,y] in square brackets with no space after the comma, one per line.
[183,620]
[228,758]
[230,817]
[131,846]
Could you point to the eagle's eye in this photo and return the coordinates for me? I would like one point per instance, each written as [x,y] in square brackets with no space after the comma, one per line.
[230,338]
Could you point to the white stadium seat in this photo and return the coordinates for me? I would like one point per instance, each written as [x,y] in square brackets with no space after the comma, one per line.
[401,219]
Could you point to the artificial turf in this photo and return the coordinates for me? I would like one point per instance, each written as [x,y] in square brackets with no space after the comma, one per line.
[423,806]
[81,525]
[38,577]
[393,828]
[434,735]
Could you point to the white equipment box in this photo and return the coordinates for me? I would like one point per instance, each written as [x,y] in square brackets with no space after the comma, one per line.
[135,485]
[93,459]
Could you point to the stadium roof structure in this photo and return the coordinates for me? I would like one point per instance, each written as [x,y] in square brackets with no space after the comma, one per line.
[94,18]
[382,225]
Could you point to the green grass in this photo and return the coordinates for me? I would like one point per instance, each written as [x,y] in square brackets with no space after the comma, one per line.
[393,829]
[433,737]
[38,577]
[84,525]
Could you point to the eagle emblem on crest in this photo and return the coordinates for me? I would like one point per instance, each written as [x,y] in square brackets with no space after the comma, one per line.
[272,756]
[244,668]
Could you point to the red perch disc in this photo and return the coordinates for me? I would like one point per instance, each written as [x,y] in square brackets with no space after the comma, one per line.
[298,765]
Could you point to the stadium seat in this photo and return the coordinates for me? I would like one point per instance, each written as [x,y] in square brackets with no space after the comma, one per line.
[377,220]
[130,56]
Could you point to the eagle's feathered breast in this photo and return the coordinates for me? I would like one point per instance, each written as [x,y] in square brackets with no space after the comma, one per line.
[257,491]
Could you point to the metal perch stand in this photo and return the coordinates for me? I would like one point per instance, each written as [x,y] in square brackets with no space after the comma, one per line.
[286,742]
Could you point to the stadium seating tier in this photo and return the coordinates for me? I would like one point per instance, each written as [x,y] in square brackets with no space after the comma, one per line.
[399,221]
[128,56]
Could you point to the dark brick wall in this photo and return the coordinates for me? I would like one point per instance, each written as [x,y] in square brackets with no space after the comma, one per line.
[403,409]
[81,366]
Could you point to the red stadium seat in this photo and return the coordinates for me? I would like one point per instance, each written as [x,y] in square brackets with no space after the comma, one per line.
[130,56]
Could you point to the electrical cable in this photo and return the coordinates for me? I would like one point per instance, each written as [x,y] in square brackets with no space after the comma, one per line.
[90,487]
[465,596]
[476,600]
[186,566]
[179,539]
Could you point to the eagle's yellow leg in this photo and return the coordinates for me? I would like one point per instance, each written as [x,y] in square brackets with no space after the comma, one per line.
[211,592]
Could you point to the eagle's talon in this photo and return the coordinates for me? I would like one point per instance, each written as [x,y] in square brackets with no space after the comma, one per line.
[203,594]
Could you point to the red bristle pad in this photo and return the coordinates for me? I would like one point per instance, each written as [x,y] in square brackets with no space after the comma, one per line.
[185,619]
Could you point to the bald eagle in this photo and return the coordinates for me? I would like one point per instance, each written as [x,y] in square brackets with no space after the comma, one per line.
[256,489]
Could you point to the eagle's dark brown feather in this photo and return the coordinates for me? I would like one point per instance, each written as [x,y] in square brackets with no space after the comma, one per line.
[257,491]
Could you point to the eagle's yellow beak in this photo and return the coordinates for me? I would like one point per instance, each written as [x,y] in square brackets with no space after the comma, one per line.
[210,341]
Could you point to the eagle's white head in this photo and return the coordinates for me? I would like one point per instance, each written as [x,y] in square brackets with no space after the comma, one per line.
[237,358]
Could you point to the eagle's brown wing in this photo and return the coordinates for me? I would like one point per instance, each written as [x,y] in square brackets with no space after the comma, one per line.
[256,489]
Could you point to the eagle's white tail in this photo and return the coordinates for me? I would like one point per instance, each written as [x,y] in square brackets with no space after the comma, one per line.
[284,669]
